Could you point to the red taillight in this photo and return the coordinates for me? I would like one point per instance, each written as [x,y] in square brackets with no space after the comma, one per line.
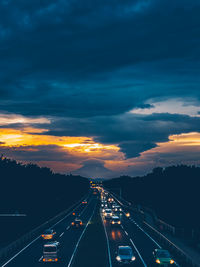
[43,259]
[42,235]
[56,259]
[81,223]
[73,213]
[72,223]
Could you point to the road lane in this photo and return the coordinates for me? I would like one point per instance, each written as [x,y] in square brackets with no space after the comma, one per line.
[118,236]
[31,255]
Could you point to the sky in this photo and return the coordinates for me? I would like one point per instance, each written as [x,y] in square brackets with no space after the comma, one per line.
[100,88]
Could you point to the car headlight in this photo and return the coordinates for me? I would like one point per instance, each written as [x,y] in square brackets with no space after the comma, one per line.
[171,261]
[118,258]
[157,261]
[115,209]
[133,258]
[112,222]
[111,214]
[119,222]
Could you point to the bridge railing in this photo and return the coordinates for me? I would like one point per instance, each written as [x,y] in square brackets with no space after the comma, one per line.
[35,234]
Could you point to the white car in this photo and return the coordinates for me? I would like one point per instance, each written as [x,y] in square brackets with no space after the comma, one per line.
[115,221]
[125,254]
[108,214]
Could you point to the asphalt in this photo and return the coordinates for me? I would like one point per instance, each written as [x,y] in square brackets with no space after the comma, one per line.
[93,244]
[66,235]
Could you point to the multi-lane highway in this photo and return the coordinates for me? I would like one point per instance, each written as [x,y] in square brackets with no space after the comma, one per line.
[68,237]
[128,233]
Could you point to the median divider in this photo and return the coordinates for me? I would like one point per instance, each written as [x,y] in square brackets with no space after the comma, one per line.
[30,237]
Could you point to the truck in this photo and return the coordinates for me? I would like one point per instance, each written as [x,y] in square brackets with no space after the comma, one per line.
[51,252]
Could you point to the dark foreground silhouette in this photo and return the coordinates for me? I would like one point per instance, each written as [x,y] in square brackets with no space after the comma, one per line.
[36,192]
[172,192]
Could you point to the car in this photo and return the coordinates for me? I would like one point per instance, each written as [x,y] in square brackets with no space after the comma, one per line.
[77,223]
[110,200]
[162,257]
[115,221]
[51,252]
[125,255]
[84,202]
[48,234]
[127,214]
[107,214]
[117,209]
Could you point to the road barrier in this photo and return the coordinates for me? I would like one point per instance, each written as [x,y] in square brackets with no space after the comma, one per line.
[184,259]
[33,235]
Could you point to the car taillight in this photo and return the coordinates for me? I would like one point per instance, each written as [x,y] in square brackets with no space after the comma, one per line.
[43,259]
[81,223]
[56,259]
[42,235]
[72,223]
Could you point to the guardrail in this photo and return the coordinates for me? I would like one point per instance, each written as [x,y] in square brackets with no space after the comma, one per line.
[35,233]
[184,259]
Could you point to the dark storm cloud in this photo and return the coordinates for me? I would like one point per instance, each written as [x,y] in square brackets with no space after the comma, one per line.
[55,53]
[38,153]
[86,63]
[134,133]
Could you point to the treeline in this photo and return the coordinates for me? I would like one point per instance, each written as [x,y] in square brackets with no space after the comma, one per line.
[36,191]
[172,192]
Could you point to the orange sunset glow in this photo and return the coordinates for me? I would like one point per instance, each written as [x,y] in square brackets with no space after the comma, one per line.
[84,148]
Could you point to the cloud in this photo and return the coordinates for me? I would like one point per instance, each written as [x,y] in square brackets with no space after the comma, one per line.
[172,106]
[117,76]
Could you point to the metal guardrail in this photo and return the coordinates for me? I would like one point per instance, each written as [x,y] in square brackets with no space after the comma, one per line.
[185,259]
[35,233]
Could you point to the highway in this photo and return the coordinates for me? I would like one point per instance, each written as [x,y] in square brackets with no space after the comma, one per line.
[129,232]
[66,235]
[132,234]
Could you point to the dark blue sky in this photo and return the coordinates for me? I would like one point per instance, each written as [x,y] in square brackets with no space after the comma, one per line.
[121,73]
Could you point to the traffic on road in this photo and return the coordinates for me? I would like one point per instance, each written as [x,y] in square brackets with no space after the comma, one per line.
[126,242]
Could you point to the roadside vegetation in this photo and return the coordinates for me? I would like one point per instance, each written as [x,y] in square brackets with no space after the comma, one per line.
[36,192]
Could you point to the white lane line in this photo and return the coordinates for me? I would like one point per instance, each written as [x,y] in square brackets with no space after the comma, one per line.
[85,208]
[61,234]
[35,239]
[146,233]
[138,252]
[108,245]
[148,236]
[72,257]
[20,252]
[68,227]
[40,259]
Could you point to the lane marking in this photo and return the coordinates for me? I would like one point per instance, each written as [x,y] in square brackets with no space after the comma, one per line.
[77,244]
[61,234]
[40,259]
[142,230]
[68,227]
[138,252]
[108,245]
[20,252]
[12,258]
[148,236]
